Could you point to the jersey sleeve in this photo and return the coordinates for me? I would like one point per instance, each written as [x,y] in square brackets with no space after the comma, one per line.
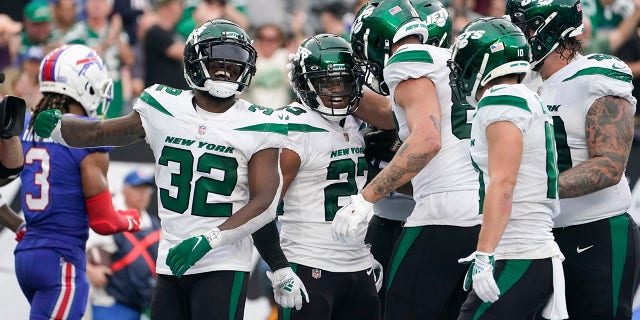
[504,108]
[612,77]
[409,62]
[143,106]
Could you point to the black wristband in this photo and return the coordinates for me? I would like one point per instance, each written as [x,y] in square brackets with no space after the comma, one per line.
[267,241]
[7,172]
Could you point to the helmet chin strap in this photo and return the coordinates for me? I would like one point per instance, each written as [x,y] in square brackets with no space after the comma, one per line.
[221,89]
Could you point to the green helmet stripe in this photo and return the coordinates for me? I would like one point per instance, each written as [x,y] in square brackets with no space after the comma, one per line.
[411,56]
[511,101]
[613,74]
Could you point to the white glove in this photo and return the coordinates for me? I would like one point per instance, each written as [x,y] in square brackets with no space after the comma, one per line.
[481,274]
[347,220]
[288,289]
[377,270]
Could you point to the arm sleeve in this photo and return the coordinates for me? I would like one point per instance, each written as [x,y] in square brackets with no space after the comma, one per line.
[267,241]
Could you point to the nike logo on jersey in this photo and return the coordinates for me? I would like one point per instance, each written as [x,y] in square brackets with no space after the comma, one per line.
[553,107]
[617,67]
[580,250]
[492,90]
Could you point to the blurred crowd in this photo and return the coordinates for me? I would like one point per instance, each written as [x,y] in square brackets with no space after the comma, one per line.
[141,41]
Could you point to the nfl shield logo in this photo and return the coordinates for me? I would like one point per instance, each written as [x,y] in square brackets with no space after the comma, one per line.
[202,130]
[316,273]
[346,136]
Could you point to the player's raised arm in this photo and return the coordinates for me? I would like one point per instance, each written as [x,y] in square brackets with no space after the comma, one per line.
[82,133]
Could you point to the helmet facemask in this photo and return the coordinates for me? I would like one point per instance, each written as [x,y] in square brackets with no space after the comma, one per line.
[230,64]
[334,94]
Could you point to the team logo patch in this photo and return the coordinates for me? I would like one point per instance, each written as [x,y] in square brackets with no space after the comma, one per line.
[316,273]
[202,130]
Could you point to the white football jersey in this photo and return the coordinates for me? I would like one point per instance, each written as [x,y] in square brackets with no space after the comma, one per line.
[202,168]
[535,197]
[568,94]
[450,170]
[332,169]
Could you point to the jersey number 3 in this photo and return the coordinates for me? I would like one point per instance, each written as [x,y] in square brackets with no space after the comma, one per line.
[203,185]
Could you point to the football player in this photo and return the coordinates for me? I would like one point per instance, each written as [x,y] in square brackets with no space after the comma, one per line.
[517,265]
[217,172]
[322,165]
[592,106]
[391,211]
[390,37]
[64,190]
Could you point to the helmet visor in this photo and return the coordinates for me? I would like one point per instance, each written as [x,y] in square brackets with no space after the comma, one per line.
[226,51]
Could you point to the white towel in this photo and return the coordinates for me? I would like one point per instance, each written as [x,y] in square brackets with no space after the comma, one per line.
[556,307]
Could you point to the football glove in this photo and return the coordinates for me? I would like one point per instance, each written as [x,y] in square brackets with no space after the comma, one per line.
[46,122]
[349,218]
[480,273]
[381,145]
[288,289]
[188,252]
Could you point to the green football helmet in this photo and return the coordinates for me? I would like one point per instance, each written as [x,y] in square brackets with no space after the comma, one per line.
[376,27]
[438,21]
[325,76]
[222,47]
[486,48]
[546,23]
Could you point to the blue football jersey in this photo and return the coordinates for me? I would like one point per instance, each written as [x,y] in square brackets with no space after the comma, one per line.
[52,198]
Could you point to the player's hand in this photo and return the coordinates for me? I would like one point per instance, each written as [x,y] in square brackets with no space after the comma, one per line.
[377,270]
[98,275]
[186,254]
[22,229]
[288,289]
[481,274]
[344,227]
[46,122]
[133,218]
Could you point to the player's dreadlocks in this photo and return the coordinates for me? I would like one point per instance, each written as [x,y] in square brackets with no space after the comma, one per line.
[50,101]
[568,48]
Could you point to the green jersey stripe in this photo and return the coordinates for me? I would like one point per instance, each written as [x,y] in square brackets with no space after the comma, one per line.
[154,103]
[613,74]
[411,56]
[512,101]
[480,183]
[267,127]
[300,127]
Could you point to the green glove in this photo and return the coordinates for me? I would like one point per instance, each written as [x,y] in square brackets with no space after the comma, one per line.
[46,122]
[186,254]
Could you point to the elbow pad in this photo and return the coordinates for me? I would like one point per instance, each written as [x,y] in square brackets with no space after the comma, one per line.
[104,220]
